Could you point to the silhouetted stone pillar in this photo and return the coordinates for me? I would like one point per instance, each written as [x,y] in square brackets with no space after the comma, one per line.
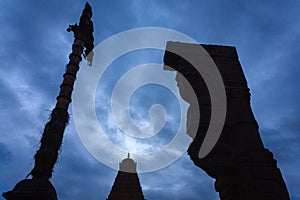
[242,167]
[127,185]
[39,187]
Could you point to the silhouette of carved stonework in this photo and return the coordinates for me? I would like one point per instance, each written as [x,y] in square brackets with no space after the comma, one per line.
[242,167]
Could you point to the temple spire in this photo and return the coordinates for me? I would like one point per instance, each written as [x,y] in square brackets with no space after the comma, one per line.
[127,184]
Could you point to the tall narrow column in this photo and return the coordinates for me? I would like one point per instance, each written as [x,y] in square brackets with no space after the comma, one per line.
[39,187]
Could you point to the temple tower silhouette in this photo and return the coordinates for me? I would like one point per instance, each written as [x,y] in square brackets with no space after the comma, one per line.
[127,184]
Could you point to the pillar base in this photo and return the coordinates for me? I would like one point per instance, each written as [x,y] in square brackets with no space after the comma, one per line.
[30,189]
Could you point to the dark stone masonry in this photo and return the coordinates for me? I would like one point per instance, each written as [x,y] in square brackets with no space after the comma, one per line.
[239,162]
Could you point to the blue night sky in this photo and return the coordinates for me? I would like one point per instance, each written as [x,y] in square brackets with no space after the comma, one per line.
[34,51]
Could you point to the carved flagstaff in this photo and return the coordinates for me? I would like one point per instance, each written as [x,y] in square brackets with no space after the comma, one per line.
[39,187]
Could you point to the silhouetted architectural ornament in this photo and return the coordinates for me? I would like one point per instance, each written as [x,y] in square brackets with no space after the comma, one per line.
[127,185]
[39,187]
[242,167]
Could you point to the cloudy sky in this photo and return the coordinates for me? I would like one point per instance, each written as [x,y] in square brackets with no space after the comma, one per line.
[34,51]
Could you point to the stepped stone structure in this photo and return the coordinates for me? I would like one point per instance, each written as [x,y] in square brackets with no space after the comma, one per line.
[127,185]
[242,167]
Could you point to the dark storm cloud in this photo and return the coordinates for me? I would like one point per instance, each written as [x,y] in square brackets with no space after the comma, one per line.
[5,154]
